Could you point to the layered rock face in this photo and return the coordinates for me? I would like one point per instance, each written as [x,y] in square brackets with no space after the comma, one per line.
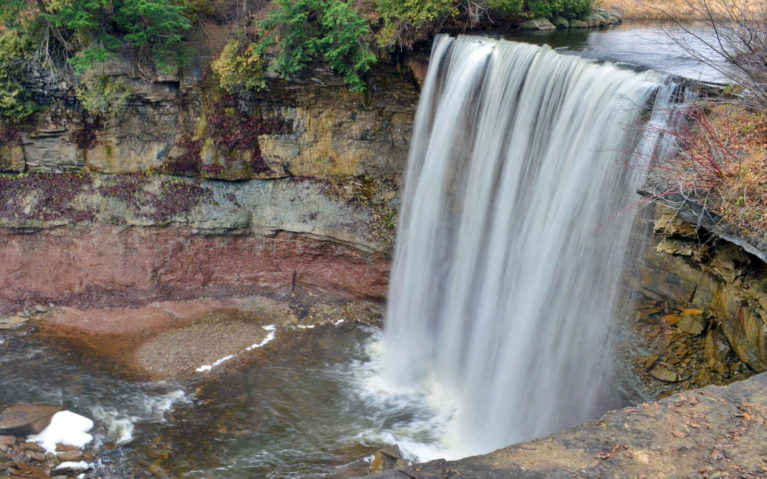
[126,239]
[311,128]
[309,204]
[683,258]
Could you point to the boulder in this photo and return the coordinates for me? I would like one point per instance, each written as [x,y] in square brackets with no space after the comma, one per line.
[664,374]
[387,460]
[691,322]
[575,23]
[594,20]
[612,17]
[561,23]
[24,419]
[537,24]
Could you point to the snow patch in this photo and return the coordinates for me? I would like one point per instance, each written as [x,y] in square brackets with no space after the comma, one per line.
[66,428]
[75,466]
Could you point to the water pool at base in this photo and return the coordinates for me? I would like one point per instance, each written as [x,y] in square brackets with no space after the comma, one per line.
[300,411]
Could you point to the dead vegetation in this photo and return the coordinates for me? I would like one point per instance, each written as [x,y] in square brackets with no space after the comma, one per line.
[681,10]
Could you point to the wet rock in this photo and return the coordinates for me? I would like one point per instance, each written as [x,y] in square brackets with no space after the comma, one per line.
[74,455]
[649,361]
[691,322]
[576,23]
[386,460]
[663,374]
[537,24]
[22,419]
[13,322]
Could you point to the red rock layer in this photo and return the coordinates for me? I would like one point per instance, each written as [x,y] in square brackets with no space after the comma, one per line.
[115,266]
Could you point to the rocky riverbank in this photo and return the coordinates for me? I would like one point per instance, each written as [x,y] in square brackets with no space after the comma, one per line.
[715,432]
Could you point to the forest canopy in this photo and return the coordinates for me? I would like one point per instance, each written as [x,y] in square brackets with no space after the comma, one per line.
[72,37]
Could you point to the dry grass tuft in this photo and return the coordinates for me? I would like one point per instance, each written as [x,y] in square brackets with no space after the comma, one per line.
[682,10]
[742,189]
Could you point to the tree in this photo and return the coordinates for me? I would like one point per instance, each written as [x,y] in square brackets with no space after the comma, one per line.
[326,31]
[734,44]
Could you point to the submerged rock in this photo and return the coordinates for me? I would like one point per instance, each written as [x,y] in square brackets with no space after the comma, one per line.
[24,419]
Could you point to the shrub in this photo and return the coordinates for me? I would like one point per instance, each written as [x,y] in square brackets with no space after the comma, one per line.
[104,95]
[239,68]
[409,21]
[319,30]
[90,30]
[565,8]
[506,7]
[16,104]
[195,9]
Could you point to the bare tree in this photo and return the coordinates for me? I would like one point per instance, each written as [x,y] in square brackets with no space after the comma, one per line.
[733,42]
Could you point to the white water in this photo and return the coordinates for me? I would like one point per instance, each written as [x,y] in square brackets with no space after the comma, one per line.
[516,215]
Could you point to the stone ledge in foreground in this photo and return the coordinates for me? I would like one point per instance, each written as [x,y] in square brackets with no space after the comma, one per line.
[717,431]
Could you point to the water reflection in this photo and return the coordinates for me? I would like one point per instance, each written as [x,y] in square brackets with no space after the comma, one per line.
[648,45]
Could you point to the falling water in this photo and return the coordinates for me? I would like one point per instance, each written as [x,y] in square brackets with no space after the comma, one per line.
[516,216]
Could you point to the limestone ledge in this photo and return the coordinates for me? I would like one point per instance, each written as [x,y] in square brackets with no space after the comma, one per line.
[710,432]
[315,127]
[322,208]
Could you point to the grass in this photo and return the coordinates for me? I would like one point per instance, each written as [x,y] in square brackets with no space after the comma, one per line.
[741,190]
[681,10]
[722,165]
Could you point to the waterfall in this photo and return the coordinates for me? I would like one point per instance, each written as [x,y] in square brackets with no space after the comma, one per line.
[516,214]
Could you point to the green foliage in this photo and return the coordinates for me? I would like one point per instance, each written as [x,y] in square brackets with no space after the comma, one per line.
[342,45]
[565,8]
[104,96]
[506,7]
[320,30]
[16,104]
[91,30]
[195,9]
[239,68]
[156,25]
[406,22]
[86,59]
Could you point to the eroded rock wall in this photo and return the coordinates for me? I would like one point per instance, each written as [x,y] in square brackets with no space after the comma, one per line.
[681,261]
[118,239]
[310,128]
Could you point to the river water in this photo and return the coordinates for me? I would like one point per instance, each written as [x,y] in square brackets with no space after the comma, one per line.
[314,409]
